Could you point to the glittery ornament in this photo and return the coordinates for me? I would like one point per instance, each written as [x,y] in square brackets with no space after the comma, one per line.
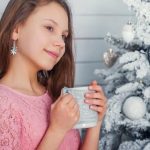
[110,57]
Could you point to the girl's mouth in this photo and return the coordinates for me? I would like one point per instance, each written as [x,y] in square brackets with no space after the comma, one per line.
[52,54]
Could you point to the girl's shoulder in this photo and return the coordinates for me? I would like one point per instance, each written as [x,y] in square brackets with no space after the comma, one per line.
[6,94]
[9,107]
[7,98]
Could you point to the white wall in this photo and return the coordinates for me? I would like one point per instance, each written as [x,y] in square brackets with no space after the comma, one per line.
[3,4]
[92,20]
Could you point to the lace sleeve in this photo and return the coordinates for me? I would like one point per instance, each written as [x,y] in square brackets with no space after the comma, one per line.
[10,128]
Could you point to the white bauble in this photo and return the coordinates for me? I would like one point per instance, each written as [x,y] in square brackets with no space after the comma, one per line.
[128,33]
[134,108]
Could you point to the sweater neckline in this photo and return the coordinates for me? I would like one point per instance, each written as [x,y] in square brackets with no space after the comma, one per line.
[23,94]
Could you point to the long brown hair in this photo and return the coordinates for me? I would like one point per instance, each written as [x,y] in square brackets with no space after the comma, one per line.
[17,12]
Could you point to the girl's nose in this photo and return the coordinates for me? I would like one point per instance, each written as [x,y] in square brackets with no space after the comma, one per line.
[59,42]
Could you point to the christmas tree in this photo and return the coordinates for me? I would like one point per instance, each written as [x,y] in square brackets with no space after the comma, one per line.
[126,124]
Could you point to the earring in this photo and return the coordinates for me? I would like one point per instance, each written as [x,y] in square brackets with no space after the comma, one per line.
[45,74]
[14,48]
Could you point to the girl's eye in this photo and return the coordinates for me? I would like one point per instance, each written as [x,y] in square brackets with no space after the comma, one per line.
[50,28]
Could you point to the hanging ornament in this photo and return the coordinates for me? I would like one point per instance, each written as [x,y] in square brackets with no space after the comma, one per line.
[128,32]
[110,57]
[134,108]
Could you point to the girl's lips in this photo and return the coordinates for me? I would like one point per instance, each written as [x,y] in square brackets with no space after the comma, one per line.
[52,53]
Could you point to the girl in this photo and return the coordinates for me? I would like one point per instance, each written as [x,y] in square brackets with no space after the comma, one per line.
[36,62]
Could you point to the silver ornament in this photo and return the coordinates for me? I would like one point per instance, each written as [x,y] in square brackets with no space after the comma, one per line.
[110,57]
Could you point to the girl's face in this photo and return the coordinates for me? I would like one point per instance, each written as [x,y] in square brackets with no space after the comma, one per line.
[40,40]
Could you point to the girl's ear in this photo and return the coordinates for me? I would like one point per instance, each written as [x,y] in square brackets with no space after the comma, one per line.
[15,33]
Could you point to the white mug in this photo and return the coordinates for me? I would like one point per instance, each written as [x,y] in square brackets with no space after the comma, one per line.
[88,117]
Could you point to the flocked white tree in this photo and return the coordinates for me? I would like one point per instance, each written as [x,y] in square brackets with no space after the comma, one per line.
[127,84]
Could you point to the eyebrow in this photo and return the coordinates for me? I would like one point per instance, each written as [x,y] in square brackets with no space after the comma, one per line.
[55,23]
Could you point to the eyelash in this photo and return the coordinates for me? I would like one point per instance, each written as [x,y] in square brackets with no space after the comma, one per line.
[51,29]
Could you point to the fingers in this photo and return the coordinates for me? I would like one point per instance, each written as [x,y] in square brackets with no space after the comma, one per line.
[73,110]
[72,104]
[94,82]
[97,88]
[69,101]
[64,101]
[76,110]
[67,98]
[95,95]
[95,102]
[98,109]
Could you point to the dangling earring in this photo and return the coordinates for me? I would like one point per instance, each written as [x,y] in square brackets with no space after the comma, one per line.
[14,48]
[45,74]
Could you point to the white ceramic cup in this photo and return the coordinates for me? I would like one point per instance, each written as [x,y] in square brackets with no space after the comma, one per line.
[88,117]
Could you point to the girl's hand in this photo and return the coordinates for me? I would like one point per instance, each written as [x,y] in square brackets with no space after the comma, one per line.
[96,100]
[64,113]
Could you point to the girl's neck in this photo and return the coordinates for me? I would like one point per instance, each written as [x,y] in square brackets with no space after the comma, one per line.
[28,87]
[23,78]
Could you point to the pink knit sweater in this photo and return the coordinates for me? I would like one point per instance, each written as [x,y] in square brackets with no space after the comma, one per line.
[24,120]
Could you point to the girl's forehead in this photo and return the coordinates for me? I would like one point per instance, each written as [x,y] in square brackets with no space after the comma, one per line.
[51,11]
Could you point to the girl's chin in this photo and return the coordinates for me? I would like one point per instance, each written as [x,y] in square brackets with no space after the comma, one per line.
[48,67]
